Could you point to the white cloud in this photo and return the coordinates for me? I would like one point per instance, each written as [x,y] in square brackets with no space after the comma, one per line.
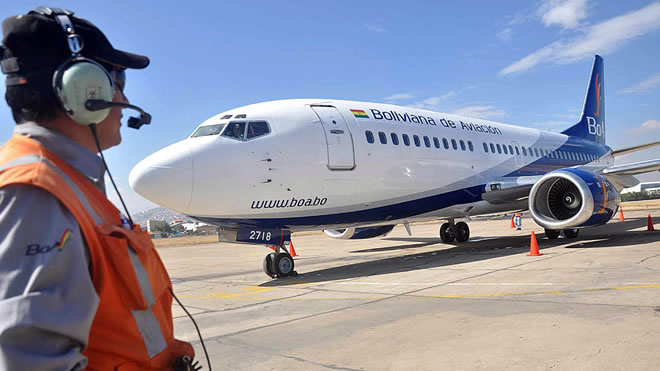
[401,96]
[505,34]
[565,13]
[433,103]
[482,112]
[603,38]
[373,28]
[644,86]
[647,126]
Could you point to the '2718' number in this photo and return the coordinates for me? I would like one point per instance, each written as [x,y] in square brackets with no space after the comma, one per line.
[259,235]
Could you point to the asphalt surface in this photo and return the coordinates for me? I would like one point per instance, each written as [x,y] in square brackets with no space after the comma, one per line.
[411,302]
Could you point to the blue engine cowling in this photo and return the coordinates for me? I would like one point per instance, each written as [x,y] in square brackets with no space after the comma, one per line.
[572,198]
[354,233]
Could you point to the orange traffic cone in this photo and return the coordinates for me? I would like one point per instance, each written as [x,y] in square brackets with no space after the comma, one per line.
[293,251]
[621,218]
[534,247]
[512,224]
[650,227]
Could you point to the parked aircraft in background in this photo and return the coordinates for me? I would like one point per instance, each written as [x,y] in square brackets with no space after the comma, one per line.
[356,169]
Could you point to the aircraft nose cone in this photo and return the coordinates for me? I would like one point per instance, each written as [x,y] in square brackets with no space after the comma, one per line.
[165,177]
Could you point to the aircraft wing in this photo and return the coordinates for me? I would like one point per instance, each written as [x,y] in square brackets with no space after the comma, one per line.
[633,168]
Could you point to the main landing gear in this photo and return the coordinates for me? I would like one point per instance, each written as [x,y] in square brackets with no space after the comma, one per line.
[568,233]
[279,264]
[460,232]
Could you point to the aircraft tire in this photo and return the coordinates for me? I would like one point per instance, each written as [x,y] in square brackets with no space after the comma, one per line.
[268,265]
[552,234]
[571,233]
[446,234]
[462,232]
[283,265]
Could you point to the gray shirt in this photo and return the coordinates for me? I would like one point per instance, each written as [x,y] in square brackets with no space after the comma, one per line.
[47,299]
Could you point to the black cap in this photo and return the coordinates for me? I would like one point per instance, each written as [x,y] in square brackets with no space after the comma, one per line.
[34,41]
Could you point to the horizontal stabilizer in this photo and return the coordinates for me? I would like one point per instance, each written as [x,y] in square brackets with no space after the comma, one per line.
[625,151]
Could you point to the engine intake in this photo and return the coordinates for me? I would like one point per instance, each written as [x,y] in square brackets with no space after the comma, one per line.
[572,198]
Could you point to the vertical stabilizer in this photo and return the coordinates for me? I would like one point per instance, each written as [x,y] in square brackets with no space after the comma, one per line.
[592,121]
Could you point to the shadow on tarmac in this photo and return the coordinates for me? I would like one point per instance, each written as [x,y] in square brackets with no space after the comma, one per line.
[610,235]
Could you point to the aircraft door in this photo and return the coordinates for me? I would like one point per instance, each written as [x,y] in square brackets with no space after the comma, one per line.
[341,155]
[518,155]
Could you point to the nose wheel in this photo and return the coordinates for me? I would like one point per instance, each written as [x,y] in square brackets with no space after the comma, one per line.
[279,264]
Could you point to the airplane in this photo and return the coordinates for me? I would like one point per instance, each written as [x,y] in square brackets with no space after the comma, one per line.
[357,169]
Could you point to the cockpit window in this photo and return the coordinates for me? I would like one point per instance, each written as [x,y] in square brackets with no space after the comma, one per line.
[257,129]
[225,117]
[235,130]
[203,131]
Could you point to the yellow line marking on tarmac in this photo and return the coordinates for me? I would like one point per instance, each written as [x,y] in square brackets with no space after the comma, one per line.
[258,290]
[540,292]
[228,295]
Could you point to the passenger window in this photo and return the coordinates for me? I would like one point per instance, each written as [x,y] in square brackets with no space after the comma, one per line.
[235,130]
[524,151]
[492,148]
[470,146]
[445,143]
[499,149]
[505,150]
[510,149]
[485,147]
[517,151]
[203,131]
[395,139]
[417,142]
[370,136]
[257,129]
[453,144]
[382,137]
[427,142]
[406,140]
[436,142]
[536,152]
[462,143]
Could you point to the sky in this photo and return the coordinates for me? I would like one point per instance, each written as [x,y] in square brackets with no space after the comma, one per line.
[519,62]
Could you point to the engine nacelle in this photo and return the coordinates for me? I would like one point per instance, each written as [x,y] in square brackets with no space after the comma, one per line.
[354,233]
[572,198]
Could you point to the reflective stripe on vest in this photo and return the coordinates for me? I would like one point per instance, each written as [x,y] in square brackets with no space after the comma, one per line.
[33,159]
[145,320]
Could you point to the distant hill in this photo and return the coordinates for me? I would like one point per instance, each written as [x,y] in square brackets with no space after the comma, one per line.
[159,213]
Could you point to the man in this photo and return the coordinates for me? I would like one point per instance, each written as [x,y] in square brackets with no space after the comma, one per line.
[78,289]
[517,220]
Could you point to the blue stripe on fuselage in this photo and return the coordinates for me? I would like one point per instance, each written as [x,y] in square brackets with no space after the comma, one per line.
[378,214]
[547,164]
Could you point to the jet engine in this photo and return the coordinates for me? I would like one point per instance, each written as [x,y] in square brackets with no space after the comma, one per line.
[572,198]
[354,233]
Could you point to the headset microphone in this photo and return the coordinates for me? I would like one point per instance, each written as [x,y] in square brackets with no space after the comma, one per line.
[133,122]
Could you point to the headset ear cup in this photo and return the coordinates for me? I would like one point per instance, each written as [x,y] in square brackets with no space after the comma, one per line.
[78,81]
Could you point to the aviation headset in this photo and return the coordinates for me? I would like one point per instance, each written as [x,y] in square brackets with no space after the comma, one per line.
[83,87]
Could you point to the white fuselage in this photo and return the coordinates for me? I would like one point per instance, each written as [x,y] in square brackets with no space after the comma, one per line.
[316,168]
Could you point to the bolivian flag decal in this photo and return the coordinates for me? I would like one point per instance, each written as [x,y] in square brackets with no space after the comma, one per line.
[360,114]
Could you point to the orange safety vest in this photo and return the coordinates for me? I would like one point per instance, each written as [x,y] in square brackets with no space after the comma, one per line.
[518,214]
[132,329]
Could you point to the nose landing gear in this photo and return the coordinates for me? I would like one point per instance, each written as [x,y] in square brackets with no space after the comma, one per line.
[279,264]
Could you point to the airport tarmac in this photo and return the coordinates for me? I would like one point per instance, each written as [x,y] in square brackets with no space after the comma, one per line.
[410,303]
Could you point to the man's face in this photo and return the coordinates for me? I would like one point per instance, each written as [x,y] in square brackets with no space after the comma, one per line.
[108,129]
